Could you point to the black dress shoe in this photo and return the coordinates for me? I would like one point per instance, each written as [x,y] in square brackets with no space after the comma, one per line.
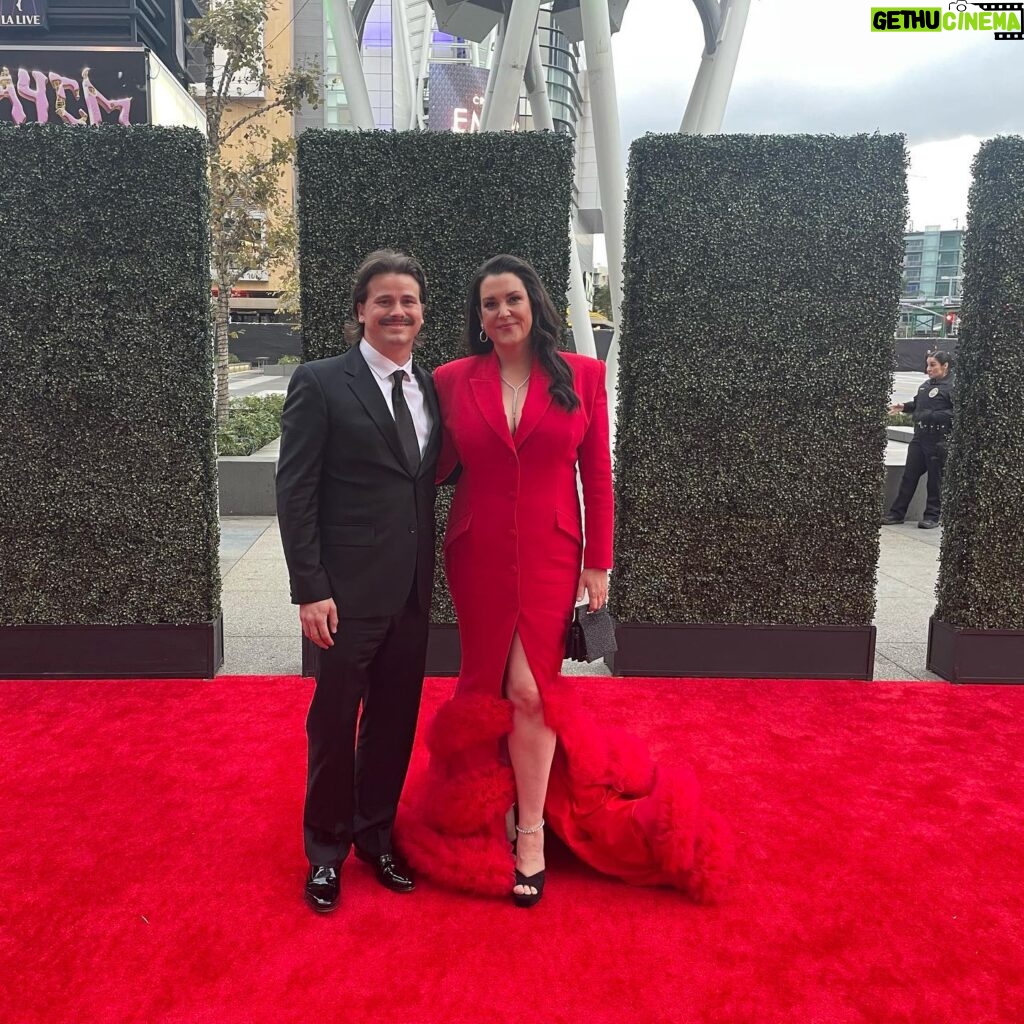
[928,524]
[391,873]
[890,520]
[323,887]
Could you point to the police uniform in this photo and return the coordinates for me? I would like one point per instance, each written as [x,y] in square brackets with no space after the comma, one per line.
[932,409]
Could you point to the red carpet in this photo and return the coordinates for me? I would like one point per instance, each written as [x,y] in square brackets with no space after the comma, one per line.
[152,869]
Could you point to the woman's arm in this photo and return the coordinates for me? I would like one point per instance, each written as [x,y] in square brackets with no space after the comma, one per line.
[595,463]
[448,468]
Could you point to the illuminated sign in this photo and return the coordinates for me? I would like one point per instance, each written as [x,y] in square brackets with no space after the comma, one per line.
[23,14]
[73,86]
[456,97]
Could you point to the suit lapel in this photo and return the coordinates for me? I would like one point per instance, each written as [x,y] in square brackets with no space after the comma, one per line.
[538,398]
[486,385]
[365,387]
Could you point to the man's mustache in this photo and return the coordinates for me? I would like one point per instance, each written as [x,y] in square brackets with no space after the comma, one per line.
[397,321]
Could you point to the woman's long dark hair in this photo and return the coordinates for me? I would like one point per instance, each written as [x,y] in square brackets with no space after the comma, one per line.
[546,325]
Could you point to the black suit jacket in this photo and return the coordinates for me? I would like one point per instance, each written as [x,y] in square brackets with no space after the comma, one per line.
[356,524]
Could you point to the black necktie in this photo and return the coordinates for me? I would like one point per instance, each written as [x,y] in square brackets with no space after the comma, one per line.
[403,420]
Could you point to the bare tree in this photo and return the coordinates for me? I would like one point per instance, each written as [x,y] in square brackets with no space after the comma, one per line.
[251,222]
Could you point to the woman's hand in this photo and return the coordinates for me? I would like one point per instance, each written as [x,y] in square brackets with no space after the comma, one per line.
[595,583]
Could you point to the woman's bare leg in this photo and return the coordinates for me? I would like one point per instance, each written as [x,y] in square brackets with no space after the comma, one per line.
[531,748]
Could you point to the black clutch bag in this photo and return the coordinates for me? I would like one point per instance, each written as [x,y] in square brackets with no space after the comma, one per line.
[591,635]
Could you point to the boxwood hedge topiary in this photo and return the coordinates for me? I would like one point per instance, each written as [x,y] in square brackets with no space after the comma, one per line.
[108,493]
[981,572]
[450,200]
[762,277]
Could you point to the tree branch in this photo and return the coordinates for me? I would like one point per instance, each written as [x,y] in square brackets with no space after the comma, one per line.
[251,116]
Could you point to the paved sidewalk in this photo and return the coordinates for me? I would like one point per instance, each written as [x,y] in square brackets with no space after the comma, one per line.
[244,383]
[261,625]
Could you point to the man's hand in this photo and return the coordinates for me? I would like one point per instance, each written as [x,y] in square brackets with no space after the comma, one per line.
[319,621]
[595,583]
[896,408]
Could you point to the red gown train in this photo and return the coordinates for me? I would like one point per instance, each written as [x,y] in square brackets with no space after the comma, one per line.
[513,553]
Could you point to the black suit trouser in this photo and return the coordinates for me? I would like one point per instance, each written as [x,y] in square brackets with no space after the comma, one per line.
[922,457]
[353,786]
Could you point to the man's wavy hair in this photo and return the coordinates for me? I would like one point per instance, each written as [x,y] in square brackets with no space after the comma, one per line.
[547,328]
[383,261]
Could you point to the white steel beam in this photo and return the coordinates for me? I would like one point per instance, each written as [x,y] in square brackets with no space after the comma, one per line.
[537,89]
[579,308]
[424,72]
[404,102]
[346,45]
[494,59]
[723,67]
[611,176]
[503,101]
[695,106]
[540,110]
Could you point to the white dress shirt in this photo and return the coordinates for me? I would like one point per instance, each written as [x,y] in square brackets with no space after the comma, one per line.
[382,368]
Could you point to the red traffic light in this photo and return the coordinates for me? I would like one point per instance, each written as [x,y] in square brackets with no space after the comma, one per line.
[950,317]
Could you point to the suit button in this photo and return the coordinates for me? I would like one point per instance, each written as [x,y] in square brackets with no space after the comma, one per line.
[412,529]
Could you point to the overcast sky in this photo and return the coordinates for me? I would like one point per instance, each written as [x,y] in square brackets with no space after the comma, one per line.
[815,66]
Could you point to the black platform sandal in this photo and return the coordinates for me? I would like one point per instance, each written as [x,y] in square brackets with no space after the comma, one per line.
[535,881]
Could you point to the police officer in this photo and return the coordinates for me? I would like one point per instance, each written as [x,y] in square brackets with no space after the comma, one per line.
[932,410]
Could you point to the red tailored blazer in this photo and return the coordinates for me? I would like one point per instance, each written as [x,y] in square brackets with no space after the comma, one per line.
[516,542]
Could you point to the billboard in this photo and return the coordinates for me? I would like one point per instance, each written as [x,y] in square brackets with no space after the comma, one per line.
[73,85]
[17,16]
[456,97]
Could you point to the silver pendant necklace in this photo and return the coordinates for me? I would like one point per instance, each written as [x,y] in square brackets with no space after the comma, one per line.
[515,388]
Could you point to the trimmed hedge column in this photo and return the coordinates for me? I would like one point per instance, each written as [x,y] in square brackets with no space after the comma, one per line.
[762,280]
[452,201]
[977,632]
[108,487]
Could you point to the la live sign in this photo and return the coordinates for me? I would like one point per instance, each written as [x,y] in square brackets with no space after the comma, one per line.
[22,16]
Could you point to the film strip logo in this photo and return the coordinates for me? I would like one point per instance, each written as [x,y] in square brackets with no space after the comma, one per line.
[1017,8]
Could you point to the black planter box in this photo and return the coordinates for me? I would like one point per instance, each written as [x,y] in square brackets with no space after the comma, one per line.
[975,655]
[744,652]
[112,652]
[444,653]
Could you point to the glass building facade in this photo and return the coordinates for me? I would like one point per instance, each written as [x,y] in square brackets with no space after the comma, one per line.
[562,66]
[932,262]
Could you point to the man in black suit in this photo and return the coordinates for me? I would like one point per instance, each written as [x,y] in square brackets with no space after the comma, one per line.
[360,435]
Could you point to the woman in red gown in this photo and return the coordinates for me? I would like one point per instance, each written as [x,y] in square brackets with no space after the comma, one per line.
[521,418]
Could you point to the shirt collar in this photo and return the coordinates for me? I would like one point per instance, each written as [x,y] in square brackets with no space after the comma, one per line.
[380,364]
